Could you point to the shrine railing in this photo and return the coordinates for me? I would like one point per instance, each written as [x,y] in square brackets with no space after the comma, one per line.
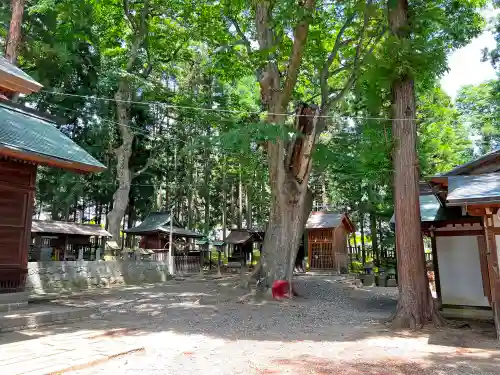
[12,279]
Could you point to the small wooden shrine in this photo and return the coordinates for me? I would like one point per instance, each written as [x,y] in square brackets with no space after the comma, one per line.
[241,243]
[326,235]
[460,212]
[60,240]
[155,235]
[27,138]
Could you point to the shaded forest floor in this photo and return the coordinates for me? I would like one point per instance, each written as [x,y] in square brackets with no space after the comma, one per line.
[199,327]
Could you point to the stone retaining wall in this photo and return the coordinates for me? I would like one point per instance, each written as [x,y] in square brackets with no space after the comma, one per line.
[50,276]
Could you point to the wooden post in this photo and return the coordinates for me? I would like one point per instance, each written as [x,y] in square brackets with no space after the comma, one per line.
[493,269]
[435,266]
[483,261]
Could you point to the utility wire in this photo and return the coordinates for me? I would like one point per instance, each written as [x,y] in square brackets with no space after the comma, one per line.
[232,111]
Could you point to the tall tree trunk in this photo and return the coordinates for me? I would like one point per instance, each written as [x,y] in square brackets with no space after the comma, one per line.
[291,200]
[240,200]
[14,37]
[362,230]
[123,97]
[324,193]
[415,305]
[130,222]
[289,163]
[123,154]
[373,233]
[356,245]
[233,205]
[383,253]
[248,205]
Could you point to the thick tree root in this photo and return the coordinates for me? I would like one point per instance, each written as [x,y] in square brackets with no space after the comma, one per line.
[402,319]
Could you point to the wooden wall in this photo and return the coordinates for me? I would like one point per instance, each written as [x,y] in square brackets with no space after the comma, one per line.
[327,247]
[17,191]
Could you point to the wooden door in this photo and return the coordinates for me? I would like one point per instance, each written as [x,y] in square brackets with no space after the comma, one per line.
[17,187]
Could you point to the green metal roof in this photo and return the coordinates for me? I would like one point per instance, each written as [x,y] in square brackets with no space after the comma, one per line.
[159,222]
[205,241]
[484,188]
[27,134]
[12,70]
[153,223]
[431,210]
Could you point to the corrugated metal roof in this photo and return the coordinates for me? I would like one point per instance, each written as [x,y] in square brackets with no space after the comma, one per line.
[12,70]
[474,189]
[152,223]
[431,210]
[319,220]
[160,222]
[470,166]
[238,237]
[64,227]
[182,232]
[21,131]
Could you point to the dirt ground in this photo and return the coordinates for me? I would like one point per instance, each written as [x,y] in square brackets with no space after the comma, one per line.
[199,327]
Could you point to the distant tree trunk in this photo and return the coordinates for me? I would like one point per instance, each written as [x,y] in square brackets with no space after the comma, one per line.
[130,222]
[373,233]
[415,305]
[356,245]
[383,253]
[14,37]
[233,205]
[190,192]
[248,205]
[362,230]
[224,205]
[99,214]
[240,201]
[324,193]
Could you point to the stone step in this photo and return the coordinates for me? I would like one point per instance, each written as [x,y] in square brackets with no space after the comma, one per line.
[41,314]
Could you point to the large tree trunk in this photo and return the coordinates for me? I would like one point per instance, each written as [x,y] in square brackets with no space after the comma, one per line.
[291,199]
[123,154]
[289,163]
[123,97]
[415,304]
[14,37]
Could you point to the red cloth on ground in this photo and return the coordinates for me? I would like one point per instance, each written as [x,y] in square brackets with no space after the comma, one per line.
[281,289]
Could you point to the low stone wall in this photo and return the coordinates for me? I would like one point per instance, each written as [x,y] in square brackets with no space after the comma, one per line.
[50,276]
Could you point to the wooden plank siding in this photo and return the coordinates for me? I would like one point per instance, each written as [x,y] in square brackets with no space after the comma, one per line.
[17,190]
[493,271]
[327,248]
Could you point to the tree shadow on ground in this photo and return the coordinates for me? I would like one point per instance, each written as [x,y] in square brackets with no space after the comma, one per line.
[326,312]
[458,363]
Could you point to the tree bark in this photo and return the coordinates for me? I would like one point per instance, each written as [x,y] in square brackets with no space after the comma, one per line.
[123,97]
[248,205]
[415,305]
[373,233]
[240,201]
[356,245]
[362,230]
[123,154]
[224,205]
[14,38]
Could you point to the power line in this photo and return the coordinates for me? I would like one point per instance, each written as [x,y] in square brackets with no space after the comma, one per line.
[231,111]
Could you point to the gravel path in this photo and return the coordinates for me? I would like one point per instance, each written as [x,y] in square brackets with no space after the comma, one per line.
[198,327]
